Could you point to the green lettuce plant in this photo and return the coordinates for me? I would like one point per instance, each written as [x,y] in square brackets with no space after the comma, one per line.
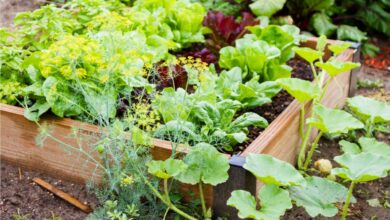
[262,53]
[359,168]
[284,185]
[369,111]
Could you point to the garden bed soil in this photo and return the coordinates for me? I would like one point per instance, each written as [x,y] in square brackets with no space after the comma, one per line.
[20,193]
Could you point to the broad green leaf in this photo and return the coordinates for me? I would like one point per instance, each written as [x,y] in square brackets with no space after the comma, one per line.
[64,102]
[318,196]
[338,48]
[206,112]
[206,165]
[346,32]
[173,105]
[366,108]
[335,67]
[322,24]
[274,202]
[275,35]
[362,167]
[245,203]
[166,169]
[34,112]
[231,57]
[333,121]
[266,7]
[371,145]
[270,170]
[300,89]
[321,43]
[308,54]
[247,119]
[349,148]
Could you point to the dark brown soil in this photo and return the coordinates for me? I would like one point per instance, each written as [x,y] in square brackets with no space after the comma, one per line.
[9,8]
[20,194]
[270,111]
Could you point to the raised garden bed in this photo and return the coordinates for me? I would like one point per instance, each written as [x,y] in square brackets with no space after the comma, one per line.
[280,139]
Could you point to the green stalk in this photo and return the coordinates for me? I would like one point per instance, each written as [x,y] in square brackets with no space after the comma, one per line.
[369,127]
[166,200]
[302,120]
[204,209]
[325,89]
[313,69]
[346,204]
[312,149]
[301,156]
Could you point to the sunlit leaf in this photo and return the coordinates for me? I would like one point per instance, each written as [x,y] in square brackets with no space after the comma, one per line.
[300,89]
[318,196]
[274,202]
[333,121]
[366,108]
[166,169]
[308,54]
[338,48]
[362,167]
[335,67]
[270,170]
[266,7]
[205,164]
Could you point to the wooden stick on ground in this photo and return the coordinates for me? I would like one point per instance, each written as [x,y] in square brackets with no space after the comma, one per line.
[63,195]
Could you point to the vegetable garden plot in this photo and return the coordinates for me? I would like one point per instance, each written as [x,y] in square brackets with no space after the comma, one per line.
[280,139]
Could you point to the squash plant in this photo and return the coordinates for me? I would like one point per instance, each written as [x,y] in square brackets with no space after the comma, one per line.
[359,168]
[327,120]
[202,165]
[284,185]
[369,111]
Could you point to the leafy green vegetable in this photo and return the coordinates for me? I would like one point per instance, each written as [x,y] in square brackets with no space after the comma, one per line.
[335,67]
[366,108]
[300,89]
[362,167]
[205,164]
[368,145]
[274,202]
[318,196]
[346,32]
[266,7]
[338,48]
[166,169]
[308,54]
[272,171]
[333,121]
[322,24]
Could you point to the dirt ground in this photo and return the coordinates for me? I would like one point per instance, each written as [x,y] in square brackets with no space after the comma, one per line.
[9,8]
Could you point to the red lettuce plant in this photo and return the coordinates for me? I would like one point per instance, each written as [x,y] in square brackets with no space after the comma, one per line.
[224,30]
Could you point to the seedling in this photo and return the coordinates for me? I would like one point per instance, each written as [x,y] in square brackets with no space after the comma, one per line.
[358,168]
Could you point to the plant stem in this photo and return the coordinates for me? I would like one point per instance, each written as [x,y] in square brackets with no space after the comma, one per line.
[302,120]
[313,69]
[369,127]
[166,200]
[204,209]
[301,156]
[313,147]
[324,90]
[346,204]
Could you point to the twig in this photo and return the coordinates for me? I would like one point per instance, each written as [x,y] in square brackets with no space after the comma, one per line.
[20,174]
[63,195]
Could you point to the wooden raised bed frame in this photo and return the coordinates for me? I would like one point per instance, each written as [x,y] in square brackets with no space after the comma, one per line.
[280,140]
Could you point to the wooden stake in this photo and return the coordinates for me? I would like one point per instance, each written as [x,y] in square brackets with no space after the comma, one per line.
[63,195]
